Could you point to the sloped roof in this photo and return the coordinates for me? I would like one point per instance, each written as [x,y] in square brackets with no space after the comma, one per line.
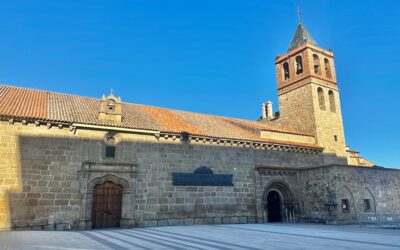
[300,37]
[32,104]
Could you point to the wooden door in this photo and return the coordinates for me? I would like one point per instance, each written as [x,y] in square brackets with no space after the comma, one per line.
[107,204]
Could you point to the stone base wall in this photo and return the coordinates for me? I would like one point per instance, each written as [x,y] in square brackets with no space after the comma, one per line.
[200,221]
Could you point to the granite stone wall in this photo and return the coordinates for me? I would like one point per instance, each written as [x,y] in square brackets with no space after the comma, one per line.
[325,186]
[42,184]
[41,187]
[316,194]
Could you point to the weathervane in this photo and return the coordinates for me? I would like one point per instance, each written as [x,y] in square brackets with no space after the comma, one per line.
[299,14]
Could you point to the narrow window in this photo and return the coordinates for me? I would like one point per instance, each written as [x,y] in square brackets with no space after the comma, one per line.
[286,71]
[335,138]
[317,69]
[321,99]
[367,206]
[327,68]
[299,65]
[345,206]
[110,147]
[111,105]
[332,103]
[185,136]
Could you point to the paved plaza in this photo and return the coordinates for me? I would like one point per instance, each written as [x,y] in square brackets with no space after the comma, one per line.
[224,237]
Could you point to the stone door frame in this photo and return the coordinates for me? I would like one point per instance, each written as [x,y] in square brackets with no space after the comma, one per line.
[94,173]
[286,196]
[268,178]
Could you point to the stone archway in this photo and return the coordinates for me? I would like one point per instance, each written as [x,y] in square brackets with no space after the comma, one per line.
[279,205]
[368,195]
[95,175]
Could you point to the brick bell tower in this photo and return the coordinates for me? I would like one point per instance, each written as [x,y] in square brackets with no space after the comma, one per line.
[308,94]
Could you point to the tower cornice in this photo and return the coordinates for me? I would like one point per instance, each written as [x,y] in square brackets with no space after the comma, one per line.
[314,48]
[305,81]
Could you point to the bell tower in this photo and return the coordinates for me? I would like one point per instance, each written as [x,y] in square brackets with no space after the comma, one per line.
[308,93]
[110,108]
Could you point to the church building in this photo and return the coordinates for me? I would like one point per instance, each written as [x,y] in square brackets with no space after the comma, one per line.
[74,162]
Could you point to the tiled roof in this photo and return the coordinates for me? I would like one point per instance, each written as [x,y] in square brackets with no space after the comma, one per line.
[19,102]
[24,103]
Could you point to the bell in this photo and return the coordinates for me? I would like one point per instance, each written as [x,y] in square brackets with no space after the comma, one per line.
[286,75]
[299,68]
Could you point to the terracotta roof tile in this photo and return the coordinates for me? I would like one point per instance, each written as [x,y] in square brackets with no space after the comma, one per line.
[25,103]
[168,120]
[78,109]
[263,126]
[215,126]
[57,107]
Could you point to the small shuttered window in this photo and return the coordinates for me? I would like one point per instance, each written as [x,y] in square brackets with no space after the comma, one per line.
[110,147]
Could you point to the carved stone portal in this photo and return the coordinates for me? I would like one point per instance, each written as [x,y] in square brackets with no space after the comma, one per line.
[93,174]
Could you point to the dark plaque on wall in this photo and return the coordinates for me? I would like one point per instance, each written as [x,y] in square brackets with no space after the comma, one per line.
[203,176]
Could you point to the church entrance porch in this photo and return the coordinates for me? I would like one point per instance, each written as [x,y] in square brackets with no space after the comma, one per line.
[274,207]
[107,205]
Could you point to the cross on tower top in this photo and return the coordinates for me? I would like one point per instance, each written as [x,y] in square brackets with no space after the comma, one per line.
[299,14]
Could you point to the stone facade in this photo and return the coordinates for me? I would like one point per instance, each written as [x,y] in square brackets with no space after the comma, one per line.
[46,181]
[44,178]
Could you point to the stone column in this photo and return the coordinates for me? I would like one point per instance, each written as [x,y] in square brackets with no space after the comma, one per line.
[128,202]
[83,181]
[259,206]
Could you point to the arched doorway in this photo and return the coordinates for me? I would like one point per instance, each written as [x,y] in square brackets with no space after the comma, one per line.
[278,202]
[274,207]
[107,205]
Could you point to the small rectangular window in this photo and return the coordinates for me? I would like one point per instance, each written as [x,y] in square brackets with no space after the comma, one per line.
[110,151]
[185,136]
[345,206]
[367,206]
[335,137]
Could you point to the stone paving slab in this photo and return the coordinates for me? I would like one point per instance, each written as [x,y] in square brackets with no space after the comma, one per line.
[205,237]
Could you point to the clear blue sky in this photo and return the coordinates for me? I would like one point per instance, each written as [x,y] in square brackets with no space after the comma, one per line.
[208,56]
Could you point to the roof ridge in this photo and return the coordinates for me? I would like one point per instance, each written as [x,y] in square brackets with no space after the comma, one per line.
[18,87]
